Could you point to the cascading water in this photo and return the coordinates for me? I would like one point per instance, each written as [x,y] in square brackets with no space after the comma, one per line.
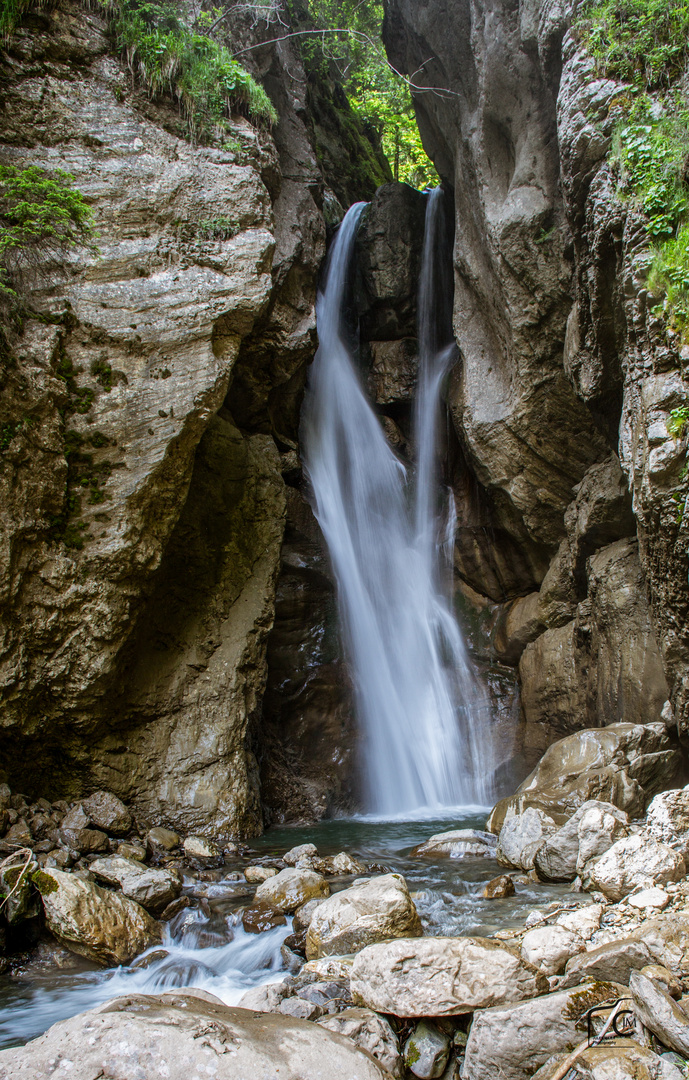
[420,706]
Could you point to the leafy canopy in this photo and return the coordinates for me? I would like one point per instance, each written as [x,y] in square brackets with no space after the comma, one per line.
[381,97]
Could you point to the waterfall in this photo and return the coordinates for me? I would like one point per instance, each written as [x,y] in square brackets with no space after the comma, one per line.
[419,706]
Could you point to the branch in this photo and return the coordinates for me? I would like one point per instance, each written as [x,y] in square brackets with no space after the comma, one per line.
[360,36]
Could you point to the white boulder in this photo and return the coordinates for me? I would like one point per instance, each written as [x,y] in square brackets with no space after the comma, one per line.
[370,1032]
[521,837]
[291,888]
[374,910]
[550,947]
[633,862]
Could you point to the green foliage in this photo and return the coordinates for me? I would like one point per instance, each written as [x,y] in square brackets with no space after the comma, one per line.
[380,97]
[12,13]
[641,41]
[41,215]
[679,418]
[44,882]
[645,42]
[168,56]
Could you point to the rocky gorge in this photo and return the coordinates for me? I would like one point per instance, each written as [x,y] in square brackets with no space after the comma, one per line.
[172,675]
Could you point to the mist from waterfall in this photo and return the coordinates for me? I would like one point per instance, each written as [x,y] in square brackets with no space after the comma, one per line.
[420,708]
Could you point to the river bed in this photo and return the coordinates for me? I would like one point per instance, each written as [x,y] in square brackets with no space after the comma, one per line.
[206,946]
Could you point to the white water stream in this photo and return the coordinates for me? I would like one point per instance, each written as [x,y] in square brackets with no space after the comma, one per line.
[421,709]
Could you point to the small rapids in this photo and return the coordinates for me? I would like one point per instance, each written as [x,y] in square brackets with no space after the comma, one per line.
[207,948]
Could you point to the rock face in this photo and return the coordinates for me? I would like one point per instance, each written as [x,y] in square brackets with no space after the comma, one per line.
[567,379]
[189,1034]
[372,911]
[441,976]
[103,926]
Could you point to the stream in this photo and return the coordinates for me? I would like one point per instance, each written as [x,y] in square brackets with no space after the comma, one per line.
[206,947]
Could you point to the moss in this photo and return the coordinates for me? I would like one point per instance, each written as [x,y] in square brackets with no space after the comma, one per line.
[412,1055]
[44,883]
[592,994]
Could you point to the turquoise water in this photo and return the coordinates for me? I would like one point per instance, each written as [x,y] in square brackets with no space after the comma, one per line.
[207,947]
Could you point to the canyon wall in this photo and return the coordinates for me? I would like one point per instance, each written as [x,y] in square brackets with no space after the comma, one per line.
[566,379]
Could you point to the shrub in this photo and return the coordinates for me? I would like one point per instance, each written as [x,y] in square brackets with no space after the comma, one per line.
[41,214]
[168,56]
[641,41]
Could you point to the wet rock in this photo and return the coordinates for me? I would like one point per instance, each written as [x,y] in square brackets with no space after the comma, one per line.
[201,852]
[441,976]
[21,902]
[632,862]
[372,911]
[174,908]
[329,967]
[340,864]
[292,959]
[659,1013]
[103,926]
[153,889]
[499,888]
[426,1051]
[257,874]
[624,764]
[370,1032]
[302,851]
[160,839]
[589,832]
[186,1034]
[457,843]
[260,917]
[108,813]
[550,947]
[267,998]
[291,888]
[667,820]
[521,837]
[132,849]
[19,834]
[512,1040]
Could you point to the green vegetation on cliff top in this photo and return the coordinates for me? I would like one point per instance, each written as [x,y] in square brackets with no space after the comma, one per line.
[646,44]
[168,55]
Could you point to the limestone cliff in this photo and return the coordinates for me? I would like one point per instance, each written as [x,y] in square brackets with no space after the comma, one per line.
[142,511]
[565,380]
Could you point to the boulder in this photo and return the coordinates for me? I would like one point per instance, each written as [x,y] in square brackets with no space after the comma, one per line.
[456,844]
[291,888]
[441,976]
[336,865]
[625,764]
[625,1060]
[266,998]
[667,820]
[132,849]
[510,1041]
[659,1013]
[498,888]
[426,1051]
[20,902]
[633,862]
[104,926]
[260,917]
[370,1032]
[300,1008]
[374,910]
[188,1034]
[108,813]
[153,889]
[304,914]
[584,920]
[200,851]
[550,947]
[652,899]
[611,962]
[521,837]
[255,875]
[302,851]
[329,967]
[160,839]
[589,832]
